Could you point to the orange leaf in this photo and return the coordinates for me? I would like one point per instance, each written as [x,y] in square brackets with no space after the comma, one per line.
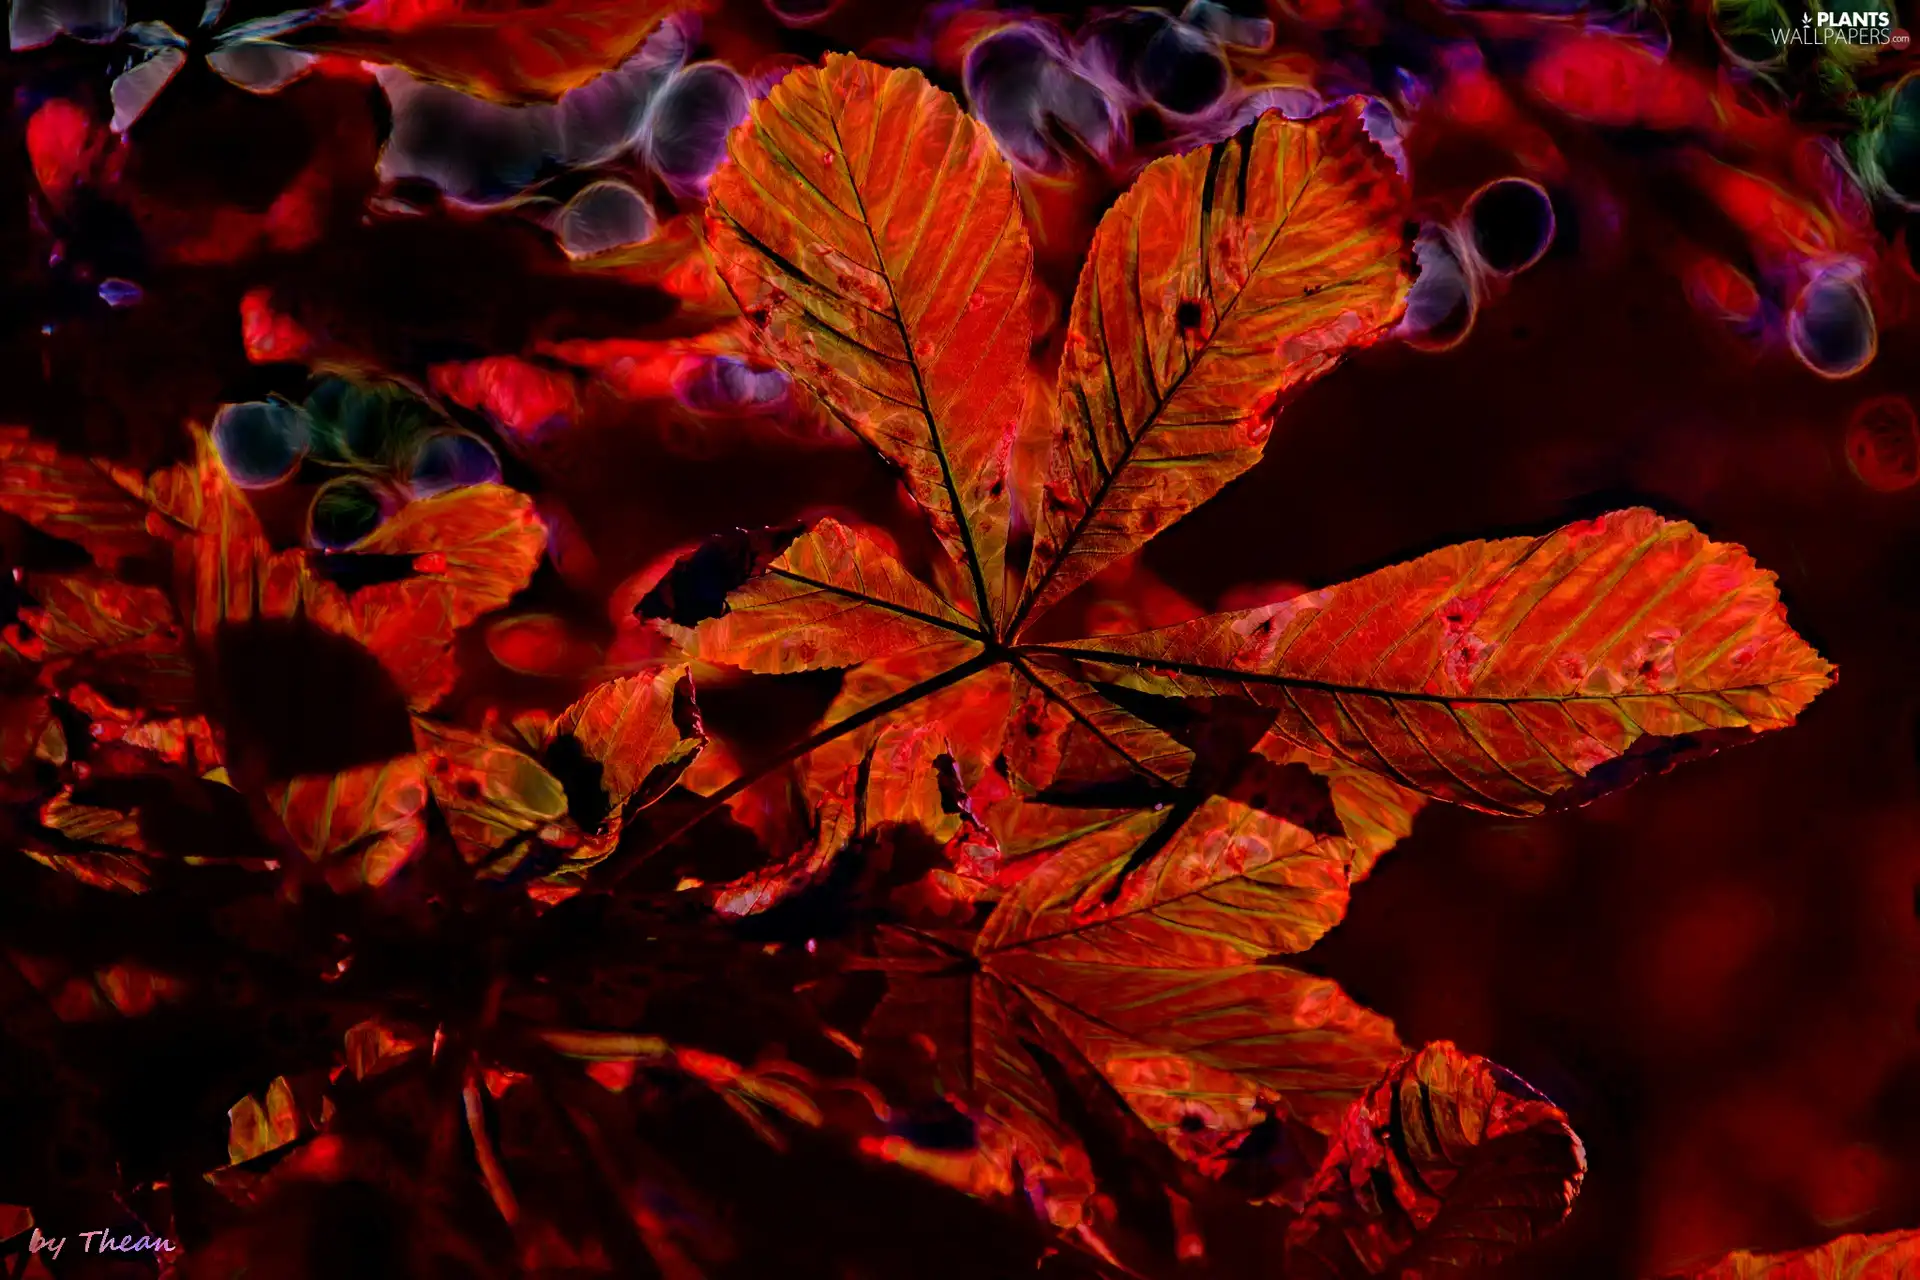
[29,730]
[973,709]
[1375,813]
[1246,1040]
[1226,885]
[86,611]
[1222,279]
[833,598]
[408,626]
[256,1128]
[1064,734]
[377,1044]
[835,826]
[870,231]
[1514,676]
[99,846]
[1893,1256]
[1201,1056]
[907,780]
[1447,1166]
[964,1032]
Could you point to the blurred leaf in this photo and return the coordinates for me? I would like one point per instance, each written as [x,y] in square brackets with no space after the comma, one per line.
[1892,1256]
[83,502]
[493,796]
[472,550]
[361,825]
[505,54]
[99,846]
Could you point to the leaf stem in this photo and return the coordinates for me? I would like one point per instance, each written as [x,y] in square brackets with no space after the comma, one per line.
[491,1171]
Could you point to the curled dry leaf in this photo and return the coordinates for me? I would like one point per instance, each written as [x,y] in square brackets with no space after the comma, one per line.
[1447,1166]
[640,732]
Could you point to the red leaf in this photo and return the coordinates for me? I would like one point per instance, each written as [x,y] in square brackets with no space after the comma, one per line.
[90,628]
[524,399]
[962,1037]
[1064,735]
[1247,1040]
[487,538]
[1222,885]
[973,710]
[225,571]
[495,798]
[29,731]
[100,846]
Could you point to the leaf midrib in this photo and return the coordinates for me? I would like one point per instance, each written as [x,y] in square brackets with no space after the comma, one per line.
[1230,674]
[1162,401]
[960,515]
